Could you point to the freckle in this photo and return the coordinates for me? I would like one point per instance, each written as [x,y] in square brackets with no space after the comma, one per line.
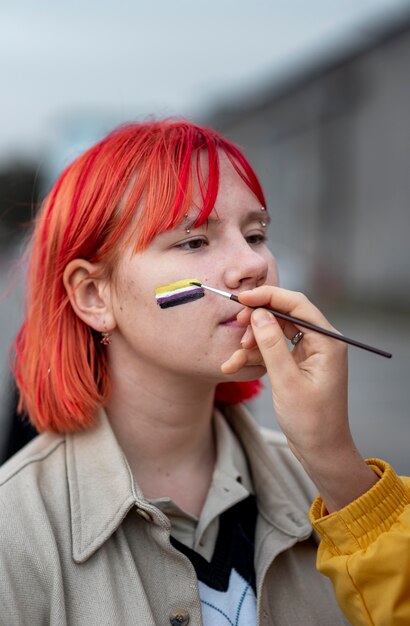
[121,309]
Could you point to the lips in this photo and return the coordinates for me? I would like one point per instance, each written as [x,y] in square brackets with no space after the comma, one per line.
[230,320]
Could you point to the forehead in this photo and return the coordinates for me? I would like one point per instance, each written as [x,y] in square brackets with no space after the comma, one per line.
[233,193]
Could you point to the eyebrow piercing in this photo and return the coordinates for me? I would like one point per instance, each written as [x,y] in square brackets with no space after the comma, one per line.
[188,229]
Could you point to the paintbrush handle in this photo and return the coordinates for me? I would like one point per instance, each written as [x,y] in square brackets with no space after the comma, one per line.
[319,329]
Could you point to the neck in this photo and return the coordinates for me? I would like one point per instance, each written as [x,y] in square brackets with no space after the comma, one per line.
[165,432]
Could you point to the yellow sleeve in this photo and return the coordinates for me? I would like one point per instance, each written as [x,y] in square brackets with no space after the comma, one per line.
[365,550]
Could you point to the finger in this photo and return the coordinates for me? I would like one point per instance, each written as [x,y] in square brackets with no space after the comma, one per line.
[244,318]
[290,330]
[290,302]
[242,358]
[248,340]
[280,364]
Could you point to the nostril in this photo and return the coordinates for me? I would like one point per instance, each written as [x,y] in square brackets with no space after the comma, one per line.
[262,280]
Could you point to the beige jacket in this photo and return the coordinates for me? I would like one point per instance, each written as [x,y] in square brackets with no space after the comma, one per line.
[79,545]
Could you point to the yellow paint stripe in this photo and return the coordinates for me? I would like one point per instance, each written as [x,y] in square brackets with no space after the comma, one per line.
[179,284]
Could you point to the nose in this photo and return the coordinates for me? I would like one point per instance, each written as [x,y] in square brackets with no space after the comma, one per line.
[246,268]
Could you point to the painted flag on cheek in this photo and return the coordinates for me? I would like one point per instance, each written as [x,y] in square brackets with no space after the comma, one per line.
[179,292]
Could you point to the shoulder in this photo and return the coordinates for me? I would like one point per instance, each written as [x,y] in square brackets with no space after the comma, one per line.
[33,489]
[33,516]
[26,465]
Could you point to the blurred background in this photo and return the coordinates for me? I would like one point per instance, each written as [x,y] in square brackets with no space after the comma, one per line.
[318,96]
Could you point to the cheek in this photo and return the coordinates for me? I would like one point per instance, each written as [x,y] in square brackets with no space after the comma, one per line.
[174,339]
[144,324]
[273,274]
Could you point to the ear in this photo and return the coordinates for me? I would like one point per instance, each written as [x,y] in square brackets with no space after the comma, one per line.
[90,297]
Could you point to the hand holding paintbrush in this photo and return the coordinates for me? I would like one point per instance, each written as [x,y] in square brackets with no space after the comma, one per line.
[309,389]
[297,321]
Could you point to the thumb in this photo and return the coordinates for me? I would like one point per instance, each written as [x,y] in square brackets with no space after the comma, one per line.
[273,347]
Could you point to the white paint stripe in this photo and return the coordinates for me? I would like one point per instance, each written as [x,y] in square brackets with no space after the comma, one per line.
[174,292]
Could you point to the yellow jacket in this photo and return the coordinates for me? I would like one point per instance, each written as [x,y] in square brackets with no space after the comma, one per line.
[365,550]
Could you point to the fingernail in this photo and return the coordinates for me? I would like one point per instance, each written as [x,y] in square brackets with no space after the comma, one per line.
[261,317]
[246,335]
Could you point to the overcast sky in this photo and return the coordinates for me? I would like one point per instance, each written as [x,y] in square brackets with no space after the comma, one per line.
[125,58]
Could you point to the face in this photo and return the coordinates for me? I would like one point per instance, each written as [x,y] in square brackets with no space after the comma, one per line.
[228,252]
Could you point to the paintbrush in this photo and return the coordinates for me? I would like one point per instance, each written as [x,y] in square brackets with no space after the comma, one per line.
[298,322]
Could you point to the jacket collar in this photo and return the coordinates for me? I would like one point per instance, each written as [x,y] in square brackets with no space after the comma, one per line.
[283,491]
[102,489]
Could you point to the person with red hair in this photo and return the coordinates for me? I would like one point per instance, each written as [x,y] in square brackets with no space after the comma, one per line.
[151,497]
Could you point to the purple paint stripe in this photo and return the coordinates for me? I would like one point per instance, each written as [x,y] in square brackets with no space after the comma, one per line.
[168,303]
[177,296]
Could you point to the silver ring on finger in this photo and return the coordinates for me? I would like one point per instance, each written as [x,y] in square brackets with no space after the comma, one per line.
[298,337]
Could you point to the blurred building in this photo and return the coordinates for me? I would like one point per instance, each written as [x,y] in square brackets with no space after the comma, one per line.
[331,143]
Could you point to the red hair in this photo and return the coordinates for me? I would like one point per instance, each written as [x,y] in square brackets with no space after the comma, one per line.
[59,364]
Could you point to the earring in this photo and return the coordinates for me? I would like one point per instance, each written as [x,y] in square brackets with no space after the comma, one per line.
[105,338]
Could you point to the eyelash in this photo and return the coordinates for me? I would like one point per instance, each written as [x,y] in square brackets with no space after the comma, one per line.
[185,244]
[258,239]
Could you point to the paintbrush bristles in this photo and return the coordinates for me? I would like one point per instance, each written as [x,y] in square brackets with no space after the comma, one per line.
[225,294]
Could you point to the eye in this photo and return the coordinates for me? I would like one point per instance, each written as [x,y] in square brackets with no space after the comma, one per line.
[256,239]
[193,244]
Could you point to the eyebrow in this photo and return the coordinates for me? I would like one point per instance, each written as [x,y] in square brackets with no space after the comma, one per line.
[252,216]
